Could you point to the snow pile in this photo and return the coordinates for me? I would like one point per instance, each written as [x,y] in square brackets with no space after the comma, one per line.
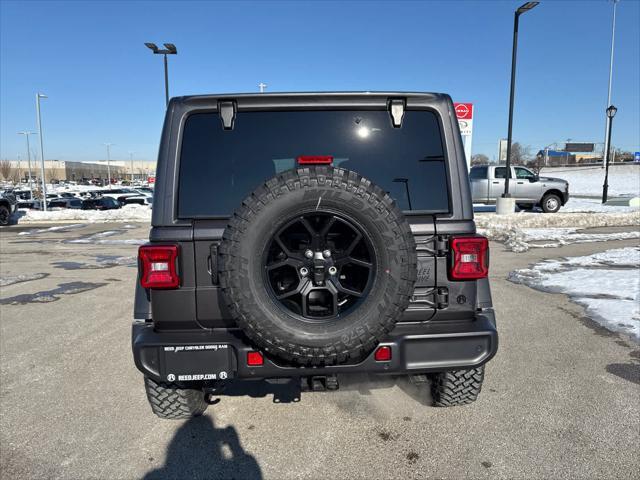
[517,231]
[128,213]
[587,181]
[585,279]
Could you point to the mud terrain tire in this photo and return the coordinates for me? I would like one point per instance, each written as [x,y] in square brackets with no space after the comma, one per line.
[297,192]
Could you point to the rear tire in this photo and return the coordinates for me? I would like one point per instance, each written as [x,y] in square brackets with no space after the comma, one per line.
[457,387]
[551,203]
[5,216]
[168,401]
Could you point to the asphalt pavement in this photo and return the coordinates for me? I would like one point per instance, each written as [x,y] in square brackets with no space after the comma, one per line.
[561,399]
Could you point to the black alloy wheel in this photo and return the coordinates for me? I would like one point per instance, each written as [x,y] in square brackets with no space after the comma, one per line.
[319,266]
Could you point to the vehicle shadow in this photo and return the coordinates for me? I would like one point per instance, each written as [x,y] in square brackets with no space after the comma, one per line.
[199,450]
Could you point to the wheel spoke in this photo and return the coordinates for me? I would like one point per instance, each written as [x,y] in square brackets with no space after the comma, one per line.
[327,227]
[295,291]
[305,223]
[354,243]
[345,290]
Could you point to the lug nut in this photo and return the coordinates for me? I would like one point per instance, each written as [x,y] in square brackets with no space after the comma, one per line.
[304,271]
[326,253]
[308,254]
[333,270]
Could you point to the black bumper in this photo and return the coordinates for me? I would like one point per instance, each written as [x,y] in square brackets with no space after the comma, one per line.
[416,348]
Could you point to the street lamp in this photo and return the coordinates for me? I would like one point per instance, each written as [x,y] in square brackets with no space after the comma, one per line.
[611,112]
[262,86]
[108,145]
[44,183]
[507,206]
[613,39]
[26,135]
[169,49]
[131,161]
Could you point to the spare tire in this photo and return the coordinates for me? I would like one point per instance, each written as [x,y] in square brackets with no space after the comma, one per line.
[317,265]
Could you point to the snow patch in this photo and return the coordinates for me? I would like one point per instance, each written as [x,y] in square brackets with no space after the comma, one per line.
[585,279]
[587,181]
[128,213]
[24,277]
[519,231]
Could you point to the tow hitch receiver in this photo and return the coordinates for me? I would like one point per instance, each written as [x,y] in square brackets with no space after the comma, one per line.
[319,383]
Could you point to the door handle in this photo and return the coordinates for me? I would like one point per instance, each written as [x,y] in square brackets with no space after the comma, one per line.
[520,183]
[496,183]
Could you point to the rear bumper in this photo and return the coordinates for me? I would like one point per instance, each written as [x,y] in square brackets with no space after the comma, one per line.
[417,348]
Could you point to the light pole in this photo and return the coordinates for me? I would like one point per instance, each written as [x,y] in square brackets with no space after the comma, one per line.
[26,135]
[169,49]
[44,183]
[131,161]
[108,145]
[507,206]
[611,112]
[262,86]
[613,39]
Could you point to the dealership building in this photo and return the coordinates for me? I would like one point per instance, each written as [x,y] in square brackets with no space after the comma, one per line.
[77,171]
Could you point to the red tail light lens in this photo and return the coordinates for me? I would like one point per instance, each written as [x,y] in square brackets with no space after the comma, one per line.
[383,354]
[255,359]
[470,258]
[158,266]
[315,160]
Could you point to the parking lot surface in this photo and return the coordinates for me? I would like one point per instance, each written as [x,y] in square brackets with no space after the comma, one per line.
[561,399]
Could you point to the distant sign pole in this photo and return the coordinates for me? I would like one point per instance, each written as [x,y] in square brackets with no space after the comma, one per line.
[464,114]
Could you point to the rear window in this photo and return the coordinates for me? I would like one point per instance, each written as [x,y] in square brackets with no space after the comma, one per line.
[218,168]
[478,172]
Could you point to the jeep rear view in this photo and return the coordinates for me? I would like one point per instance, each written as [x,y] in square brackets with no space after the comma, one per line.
[300,238]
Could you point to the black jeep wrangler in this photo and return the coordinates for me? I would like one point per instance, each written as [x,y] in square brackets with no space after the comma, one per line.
[302,237]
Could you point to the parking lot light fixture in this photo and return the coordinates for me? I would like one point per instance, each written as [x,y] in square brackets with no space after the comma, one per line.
[611,112]
[169,49]
[26,135]
[39,119]
[108,145]
[516,18]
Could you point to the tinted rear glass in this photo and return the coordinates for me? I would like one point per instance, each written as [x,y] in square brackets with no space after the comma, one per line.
[478,172]
[218,168]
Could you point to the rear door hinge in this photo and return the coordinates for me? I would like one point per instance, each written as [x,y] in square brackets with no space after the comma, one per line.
[227,111]
[441,245]
[442,298]
[396,110]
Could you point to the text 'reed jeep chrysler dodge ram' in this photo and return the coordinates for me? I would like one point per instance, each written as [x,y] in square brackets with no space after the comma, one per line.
[297,238]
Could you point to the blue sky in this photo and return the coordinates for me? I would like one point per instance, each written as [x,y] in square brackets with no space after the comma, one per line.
[105,86]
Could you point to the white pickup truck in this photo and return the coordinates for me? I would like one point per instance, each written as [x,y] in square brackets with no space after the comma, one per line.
[529,190]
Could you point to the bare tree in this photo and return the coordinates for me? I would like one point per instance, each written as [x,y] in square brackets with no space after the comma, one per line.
[5,169]
[479,159]
[520,154]
[536,163]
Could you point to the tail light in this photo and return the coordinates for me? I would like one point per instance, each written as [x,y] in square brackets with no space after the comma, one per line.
[158,266]
[315,160]
[383,354]
[255,359]
[470,258]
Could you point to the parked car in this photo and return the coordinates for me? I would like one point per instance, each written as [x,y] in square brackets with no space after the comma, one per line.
[529,189]
[8,206]
[65,202]
[100,203]
[299,238]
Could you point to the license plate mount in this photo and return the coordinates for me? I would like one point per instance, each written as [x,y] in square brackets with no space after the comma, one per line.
[190,363]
